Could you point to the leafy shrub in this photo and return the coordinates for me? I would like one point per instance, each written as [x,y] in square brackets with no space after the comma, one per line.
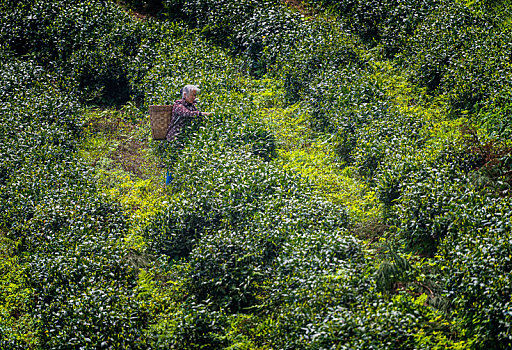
[430,196]
[171,57]
[310,54]
[462,54]
[16,299]
[431,53]
[325,294]
[477,262]
[195,326]
[443,211]
[146,6]
[343,101]
[226,186]
[229,268]
[67,236]
[386,23]
[266,33]
[34,129]
[495,118]
[87,302]
[89,41]
[16,28]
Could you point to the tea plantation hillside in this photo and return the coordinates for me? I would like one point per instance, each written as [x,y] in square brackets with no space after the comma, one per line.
[352,189]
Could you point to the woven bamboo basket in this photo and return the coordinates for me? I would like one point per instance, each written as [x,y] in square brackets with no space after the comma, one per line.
[159,118]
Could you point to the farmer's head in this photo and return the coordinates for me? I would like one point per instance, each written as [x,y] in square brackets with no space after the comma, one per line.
[189,93]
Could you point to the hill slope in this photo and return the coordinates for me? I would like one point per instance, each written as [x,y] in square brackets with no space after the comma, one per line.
[350,191]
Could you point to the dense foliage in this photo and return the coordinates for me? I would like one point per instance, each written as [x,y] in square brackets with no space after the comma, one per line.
[249,248]
[70,278]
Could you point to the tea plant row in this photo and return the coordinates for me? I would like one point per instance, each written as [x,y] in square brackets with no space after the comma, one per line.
[245,254]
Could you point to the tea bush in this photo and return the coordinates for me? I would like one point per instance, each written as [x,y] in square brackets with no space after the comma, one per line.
[232,199]
[89,41]
[386,23]
[151,7]
[15,32]
[76,282]
[326,294]
[311,53]
[346,94]
[430,200]
[237,25]
[193,326]
[247,254]
[495,118]
[344,103]
[465,55]
[439,205]
[16,299]
[477,259]
[266,33]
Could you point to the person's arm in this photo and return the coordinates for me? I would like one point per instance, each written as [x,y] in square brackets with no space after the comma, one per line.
[182,111]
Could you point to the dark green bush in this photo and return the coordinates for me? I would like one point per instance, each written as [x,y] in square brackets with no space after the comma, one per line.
[438,40]
[223,188]
[86,296]
[197,327]
[495,118]
[151,7]
[387,23]
[325,295]
[34,130]
[353,106]
[477,262]
[266,33]
[229,268]
[15,32]
[482,71]
[67,236]
[324,51]
[342,101]
[243,238]
[462,54]
[429,197]
[236,25]
[88,41]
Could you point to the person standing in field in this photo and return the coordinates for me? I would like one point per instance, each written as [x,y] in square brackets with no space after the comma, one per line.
[184,111]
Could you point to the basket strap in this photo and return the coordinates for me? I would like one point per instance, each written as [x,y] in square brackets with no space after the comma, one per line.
[174,122]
